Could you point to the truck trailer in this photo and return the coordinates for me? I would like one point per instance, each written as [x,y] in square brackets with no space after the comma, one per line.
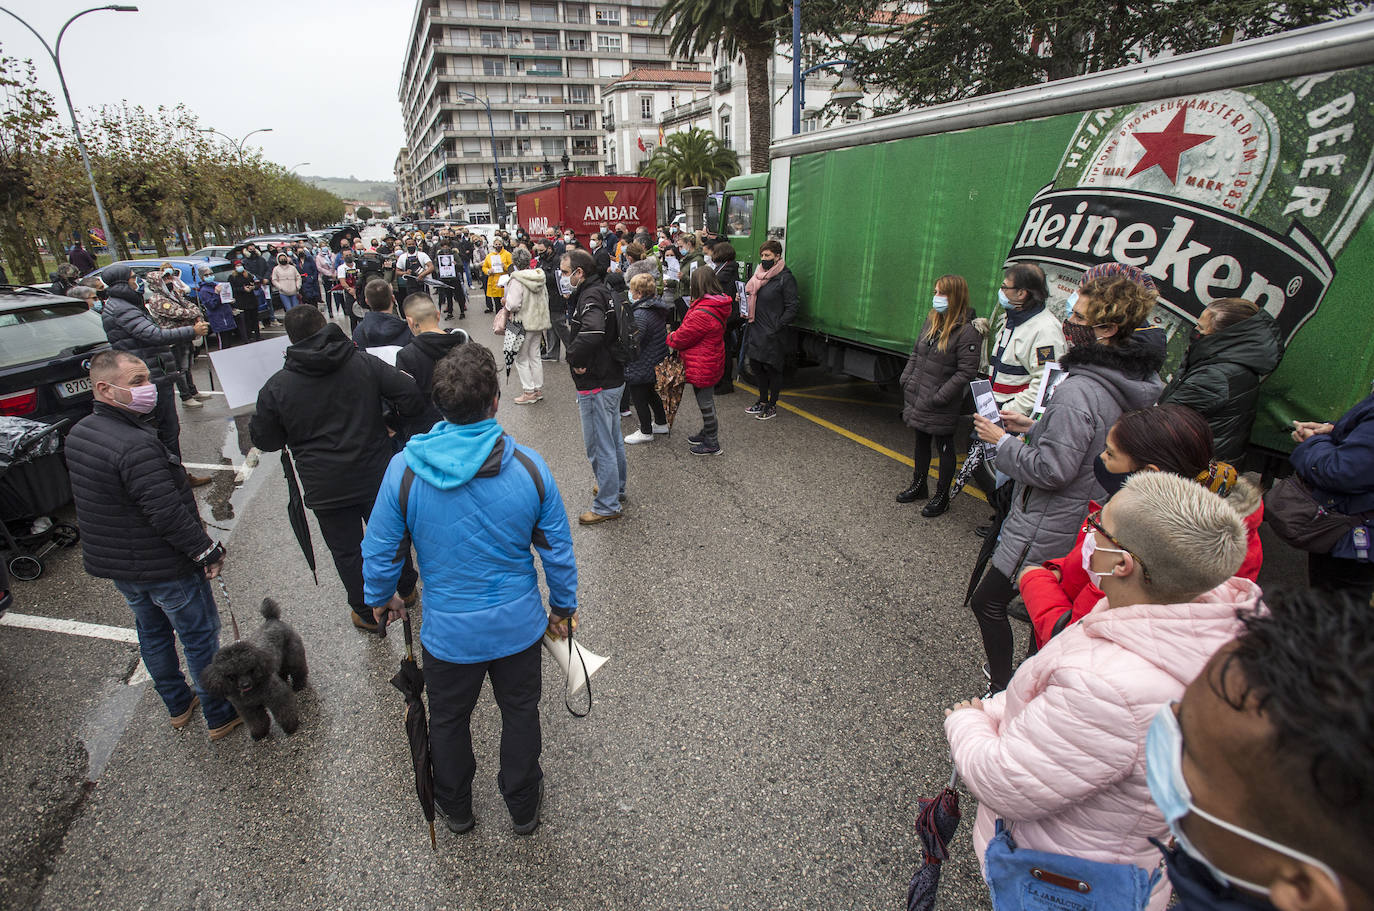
[1240,171]
[582,203]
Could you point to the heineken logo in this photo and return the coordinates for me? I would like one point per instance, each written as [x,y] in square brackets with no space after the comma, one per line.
[1196,254]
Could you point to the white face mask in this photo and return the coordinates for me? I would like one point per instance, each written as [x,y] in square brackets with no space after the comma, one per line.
[1089,548]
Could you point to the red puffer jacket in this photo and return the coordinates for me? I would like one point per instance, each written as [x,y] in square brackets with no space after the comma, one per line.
[1047,598]
[701,339]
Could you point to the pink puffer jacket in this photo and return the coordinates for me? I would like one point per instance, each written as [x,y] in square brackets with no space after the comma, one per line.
[1061,753]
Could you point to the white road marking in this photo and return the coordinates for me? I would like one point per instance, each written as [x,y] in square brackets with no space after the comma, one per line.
[207,466]
[77,628]
[211,392]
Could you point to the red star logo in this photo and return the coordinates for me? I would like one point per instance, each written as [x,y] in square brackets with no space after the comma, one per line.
[1164,149]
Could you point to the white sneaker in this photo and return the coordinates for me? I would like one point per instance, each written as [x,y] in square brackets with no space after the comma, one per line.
[191,403]
[640,437]
[661,428]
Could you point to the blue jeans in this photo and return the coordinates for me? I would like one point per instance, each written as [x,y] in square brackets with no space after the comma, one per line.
[605,446]
[289,300]
[164,611]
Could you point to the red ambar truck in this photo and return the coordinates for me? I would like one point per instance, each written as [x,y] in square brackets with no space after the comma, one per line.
[582,203]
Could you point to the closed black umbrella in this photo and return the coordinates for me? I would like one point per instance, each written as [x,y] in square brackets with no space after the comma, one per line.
[411,683]
[935,825]
[295,512]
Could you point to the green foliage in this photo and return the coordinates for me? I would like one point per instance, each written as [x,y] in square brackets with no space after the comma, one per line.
[693,158]
[157,172]
[730,28]
[963,48]
[363,213]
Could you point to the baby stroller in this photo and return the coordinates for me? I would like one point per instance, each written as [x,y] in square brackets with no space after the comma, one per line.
[33,484]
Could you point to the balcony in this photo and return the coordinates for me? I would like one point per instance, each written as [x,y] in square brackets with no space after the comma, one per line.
[608,122]
[722,81]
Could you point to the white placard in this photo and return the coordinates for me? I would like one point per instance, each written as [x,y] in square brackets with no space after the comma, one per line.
[386,353]
[447,269]
[1049,381]
[243,370]
[226,292]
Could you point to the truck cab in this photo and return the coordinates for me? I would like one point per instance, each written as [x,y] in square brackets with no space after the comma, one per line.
[743,218]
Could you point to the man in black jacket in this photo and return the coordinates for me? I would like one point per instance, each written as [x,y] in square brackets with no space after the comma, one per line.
[427,348]
[599,378]
[380,326]
[140,528]
[326,405]
[258,267]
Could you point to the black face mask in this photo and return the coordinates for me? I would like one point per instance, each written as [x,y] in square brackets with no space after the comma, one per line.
[1196,890]
[410,249]
[103,294]
[1077,335]
[1111,481]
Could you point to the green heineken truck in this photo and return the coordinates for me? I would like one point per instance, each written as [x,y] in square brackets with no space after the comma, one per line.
[1242,171]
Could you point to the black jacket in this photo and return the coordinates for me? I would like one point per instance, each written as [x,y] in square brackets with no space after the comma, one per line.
[139,521]
[242,283]
[551,264]
[935,382]
[727,273]
[602,255]
[259,267]
[418,360]
[326,405]
[1220,378]
[129,328]
[378,329]
[775,307]
[591,332]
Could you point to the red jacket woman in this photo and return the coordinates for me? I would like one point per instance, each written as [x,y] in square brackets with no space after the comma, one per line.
[1170,438]
[701,339]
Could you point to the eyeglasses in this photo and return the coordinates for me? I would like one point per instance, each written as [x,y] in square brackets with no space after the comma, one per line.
[1094,522]
[1010,288]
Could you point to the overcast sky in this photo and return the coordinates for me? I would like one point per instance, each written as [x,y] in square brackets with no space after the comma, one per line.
[240,65]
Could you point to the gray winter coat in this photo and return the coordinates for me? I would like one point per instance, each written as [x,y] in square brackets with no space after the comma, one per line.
[651,316]
[1053,467]
[128,327]
[935,382]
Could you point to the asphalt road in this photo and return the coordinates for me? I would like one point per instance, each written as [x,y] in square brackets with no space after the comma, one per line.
[782,635]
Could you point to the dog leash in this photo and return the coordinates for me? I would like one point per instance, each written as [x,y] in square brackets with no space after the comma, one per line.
[229,605]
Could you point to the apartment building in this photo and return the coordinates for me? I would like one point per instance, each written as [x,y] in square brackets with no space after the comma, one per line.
[537,67]
[406,202]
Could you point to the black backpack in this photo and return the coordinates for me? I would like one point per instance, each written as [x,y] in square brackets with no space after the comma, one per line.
[625,347]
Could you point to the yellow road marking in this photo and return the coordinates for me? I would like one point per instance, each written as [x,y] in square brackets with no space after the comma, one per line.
[861,440]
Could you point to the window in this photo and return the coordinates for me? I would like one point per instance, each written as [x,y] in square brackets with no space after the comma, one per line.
[545,41]
[522,121]
[512,11]
[488,9]
[543,12]
[608,43]
[810,124]
[579,68]
[739,215]
[577,14]
[493,67]
[646,107]
[472,145]
[580,121]
[579,94]
[852,114]
[725,131]
[459,37]
[639,44]
[607,16]
[610,68]
[577,42]
[491,39]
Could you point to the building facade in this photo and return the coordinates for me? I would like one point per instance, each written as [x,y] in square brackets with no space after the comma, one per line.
[632,109]
[406,202]
[535,68]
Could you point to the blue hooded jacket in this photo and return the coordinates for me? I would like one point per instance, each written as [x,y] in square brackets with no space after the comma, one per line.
[473,513]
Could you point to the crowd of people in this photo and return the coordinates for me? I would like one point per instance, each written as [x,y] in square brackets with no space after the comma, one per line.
[1121,522]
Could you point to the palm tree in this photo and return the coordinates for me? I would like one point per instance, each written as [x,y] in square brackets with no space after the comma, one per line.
[694,158]
[731,28]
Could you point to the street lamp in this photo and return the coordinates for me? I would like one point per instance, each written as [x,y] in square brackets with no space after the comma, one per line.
[495,162]
[55,53]
[491,200]
[295,166]
[238,146]
[846,92]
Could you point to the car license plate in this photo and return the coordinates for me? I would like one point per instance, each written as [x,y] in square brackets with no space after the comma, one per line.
[74,387]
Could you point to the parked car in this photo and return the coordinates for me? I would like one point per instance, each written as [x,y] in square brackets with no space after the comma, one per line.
[212,253]
[46,341]
[186,265]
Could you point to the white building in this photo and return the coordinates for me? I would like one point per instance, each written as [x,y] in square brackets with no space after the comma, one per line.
[406,202]
[632,108]
[539,65]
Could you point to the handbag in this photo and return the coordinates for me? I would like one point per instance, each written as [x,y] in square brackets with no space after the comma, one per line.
[498,323]
[1297,517]
[1025,880]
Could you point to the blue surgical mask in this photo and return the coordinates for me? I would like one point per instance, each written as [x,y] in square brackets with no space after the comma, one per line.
[1071,303]
[1164,775]
[939,303]
[1002,299]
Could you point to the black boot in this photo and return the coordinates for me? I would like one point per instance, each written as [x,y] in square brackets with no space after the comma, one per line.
[917,491]
[938,504]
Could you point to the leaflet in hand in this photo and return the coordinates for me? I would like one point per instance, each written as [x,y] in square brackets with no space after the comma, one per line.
[984,402]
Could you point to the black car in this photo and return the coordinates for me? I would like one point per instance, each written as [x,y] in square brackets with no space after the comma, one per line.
[46,341]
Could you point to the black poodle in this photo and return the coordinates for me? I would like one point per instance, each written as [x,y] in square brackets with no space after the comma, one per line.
[253,673]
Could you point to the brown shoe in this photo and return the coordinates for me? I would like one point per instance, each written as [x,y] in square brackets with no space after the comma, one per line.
[362,624]
[197,480]
[595,518]
[179,721]
[223,730]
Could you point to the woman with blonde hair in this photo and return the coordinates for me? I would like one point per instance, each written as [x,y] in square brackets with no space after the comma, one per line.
[943,362]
